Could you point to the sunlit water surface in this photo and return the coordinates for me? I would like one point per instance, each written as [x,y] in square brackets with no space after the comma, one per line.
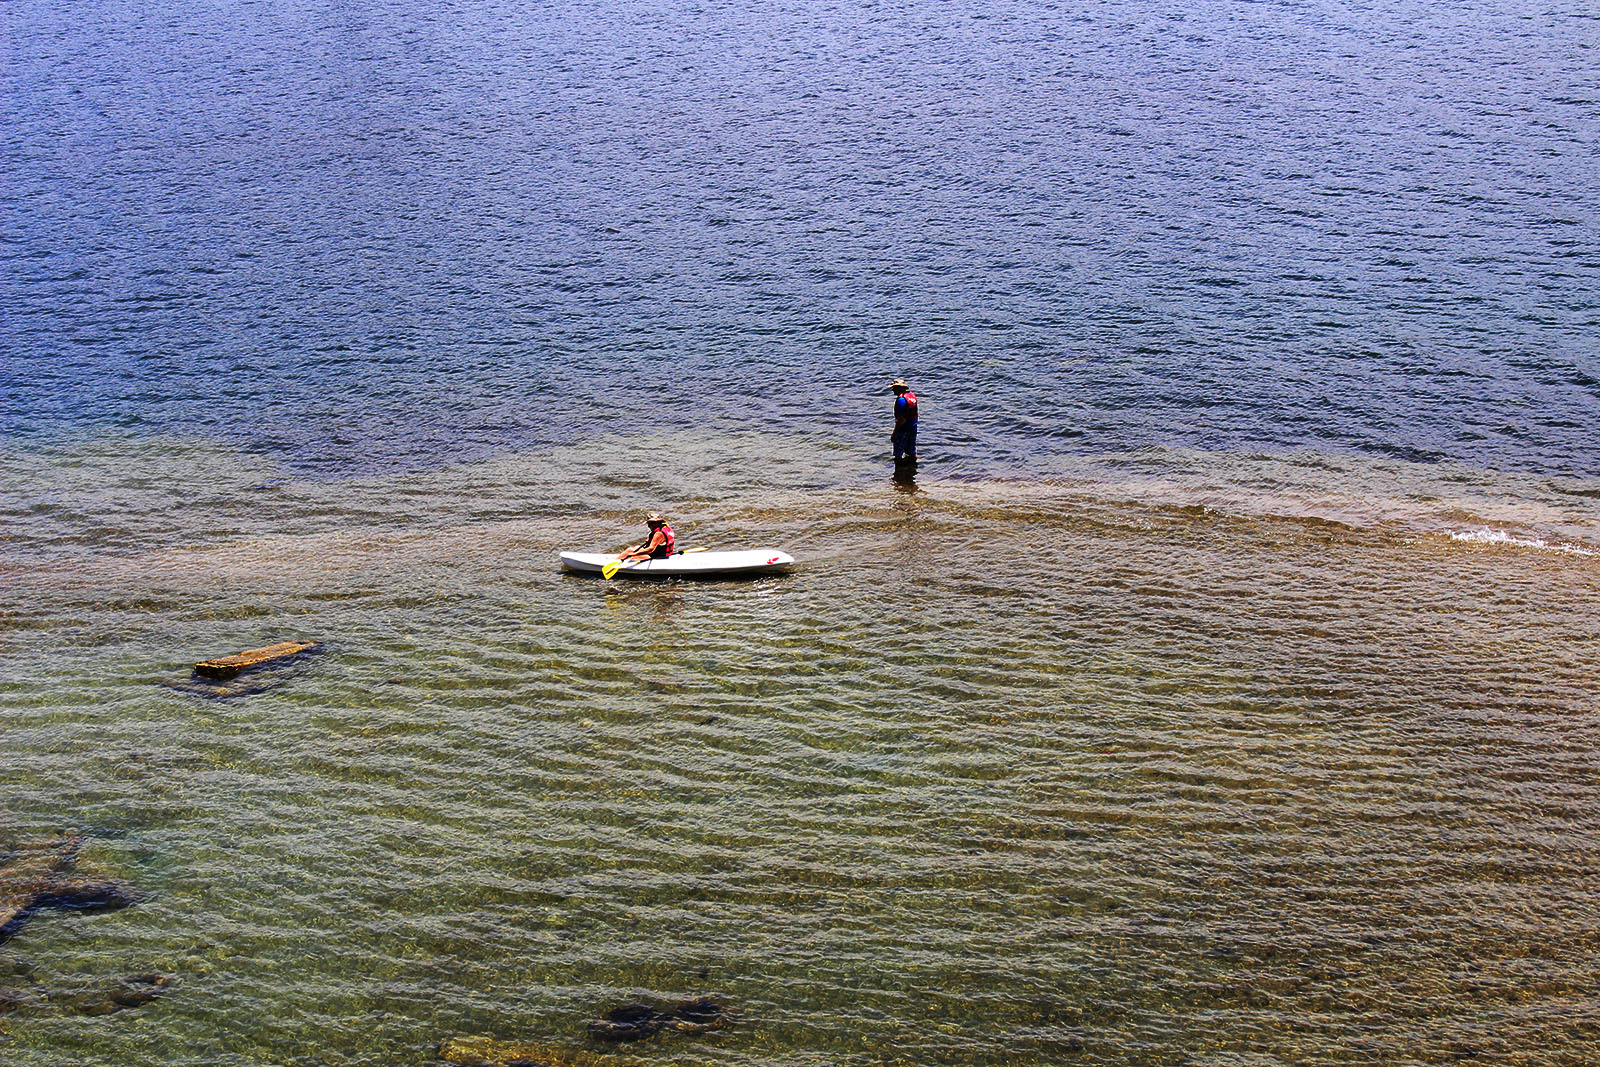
[1006,773]
[1221,691]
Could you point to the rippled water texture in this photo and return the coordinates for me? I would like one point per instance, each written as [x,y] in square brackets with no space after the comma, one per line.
[1007,773]
[1221,691]
[377,234]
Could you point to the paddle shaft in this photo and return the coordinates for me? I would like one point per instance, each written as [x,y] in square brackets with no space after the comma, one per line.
[610,569]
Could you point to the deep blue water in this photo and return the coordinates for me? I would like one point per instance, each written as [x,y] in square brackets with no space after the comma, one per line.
[388,234]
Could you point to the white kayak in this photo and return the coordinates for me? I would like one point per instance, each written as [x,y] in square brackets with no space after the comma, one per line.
[743,563]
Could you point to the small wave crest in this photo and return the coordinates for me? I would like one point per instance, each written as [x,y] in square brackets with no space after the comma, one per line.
[1487,536]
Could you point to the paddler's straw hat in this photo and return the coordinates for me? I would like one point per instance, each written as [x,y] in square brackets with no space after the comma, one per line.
[899,383]
[654,516]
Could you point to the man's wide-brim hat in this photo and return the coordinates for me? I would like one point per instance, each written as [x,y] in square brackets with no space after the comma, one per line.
[899,383]
[654,516]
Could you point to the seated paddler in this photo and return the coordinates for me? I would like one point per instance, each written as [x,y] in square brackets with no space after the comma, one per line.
[660,544]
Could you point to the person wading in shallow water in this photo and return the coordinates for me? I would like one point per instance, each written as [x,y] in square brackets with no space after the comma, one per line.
[904,437]
[659,545]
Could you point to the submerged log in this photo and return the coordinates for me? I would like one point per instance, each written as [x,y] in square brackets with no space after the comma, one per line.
[228,666]
[488,1052]
[36,876]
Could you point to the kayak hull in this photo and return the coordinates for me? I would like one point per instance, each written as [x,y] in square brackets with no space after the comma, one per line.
[741,563]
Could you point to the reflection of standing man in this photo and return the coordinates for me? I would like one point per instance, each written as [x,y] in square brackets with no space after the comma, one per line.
[904,437]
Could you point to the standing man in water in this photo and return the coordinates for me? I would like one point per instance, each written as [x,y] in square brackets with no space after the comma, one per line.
[904,437]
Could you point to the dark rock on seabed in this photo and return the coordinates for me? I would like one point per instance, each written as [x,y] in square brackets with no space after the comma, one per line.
[627,1022]
[631,1022]
[37,876]
[129,991]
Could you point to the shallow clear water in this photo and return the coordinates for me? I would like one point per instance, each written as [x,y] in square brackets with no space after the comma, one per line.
[1008,772]
[1221,691]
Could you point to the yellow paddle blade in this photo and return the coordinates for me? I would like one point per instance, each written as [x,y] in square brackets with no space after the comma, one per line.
[610,569]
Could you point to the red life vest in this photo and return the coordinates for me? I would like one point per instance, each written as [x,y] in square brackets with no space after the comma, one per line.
[911,405]
[665,548]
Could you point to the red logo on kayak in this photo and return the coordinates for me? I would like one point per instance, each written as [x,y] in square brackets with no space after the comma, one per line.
[771,561]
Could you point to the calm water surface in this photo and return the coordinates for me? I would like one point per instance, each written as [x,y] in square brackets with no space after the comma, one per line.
[1222,692]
